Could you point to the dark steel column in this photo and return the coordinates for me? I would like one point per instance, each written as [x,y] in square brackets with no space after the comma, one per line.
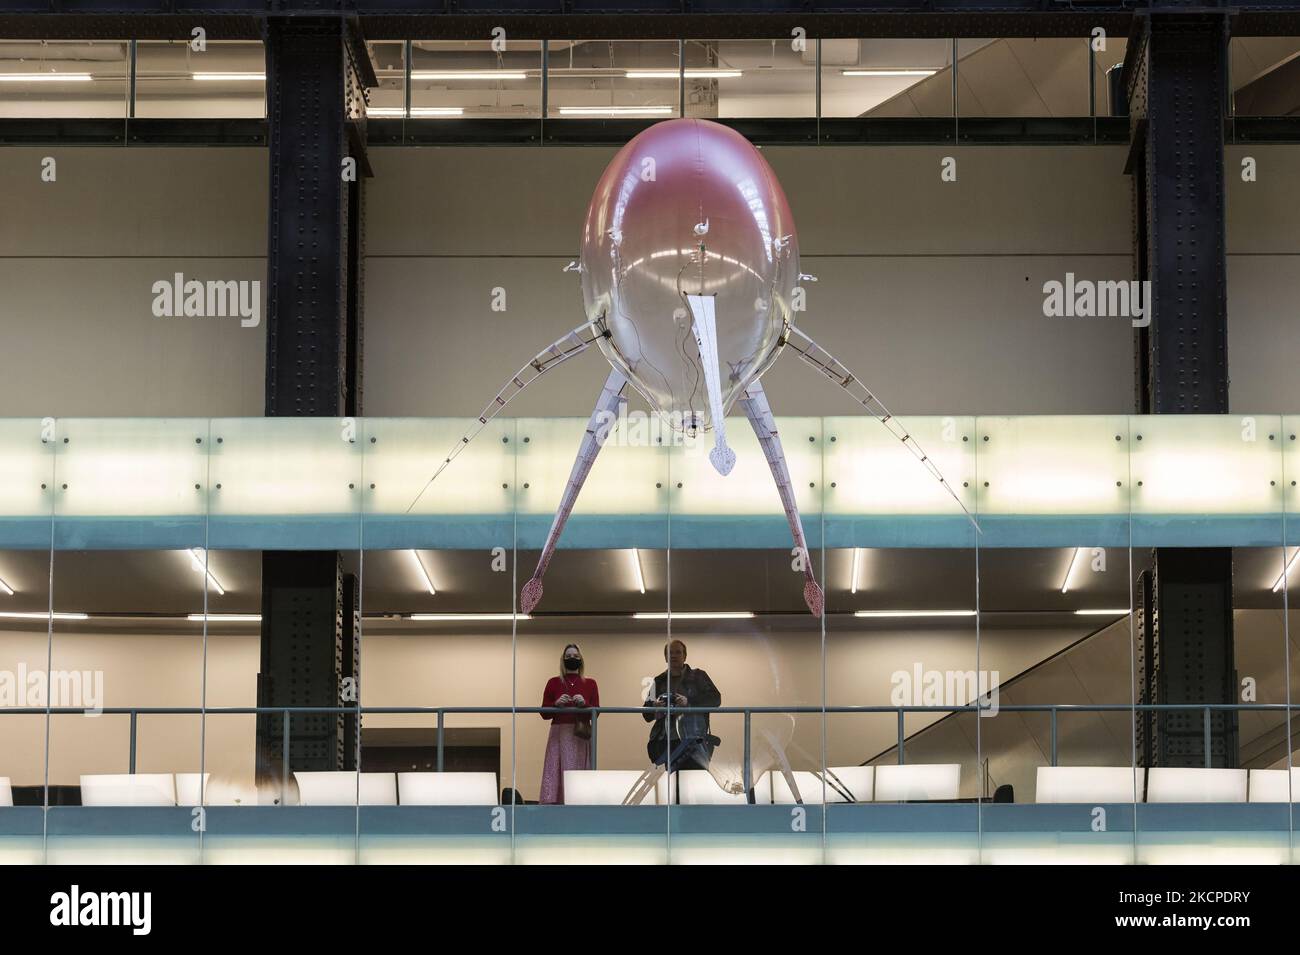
[1176,72]
[316,70]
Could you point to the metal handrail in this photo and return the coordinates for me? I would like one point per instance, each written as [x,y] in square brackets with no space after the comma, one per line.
[286,712]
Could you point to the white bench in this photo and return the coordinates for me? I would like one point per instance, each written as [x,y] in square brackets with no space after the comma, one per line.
[917,782]
[188,792]
[810,788]
[447,789]
[858,780]
[696,787]
[1088,784]
[1270,785]
[343,789]
[128,789]
[1167,784]
[600,787]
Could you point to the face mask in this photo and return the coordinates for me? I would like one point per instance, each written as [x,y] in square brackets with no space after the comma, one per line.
[572,664]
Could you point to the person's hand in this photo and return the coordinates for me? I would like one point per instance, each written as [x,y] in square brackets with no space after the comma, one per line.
[579,700]
[679,700]
[564,700]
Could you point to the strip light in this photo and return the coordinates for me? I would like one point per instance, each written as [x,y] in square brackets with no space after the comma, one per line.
[466,617]
[197,558]
[415,556]
[636,569]
[15,615]
[234,77]
[1069,571]
[225,617]
[853,580]
[914,613]
[696,615]
[690,74]
[400,111]
[45,77]
[1286,572]
[616,110]
[1104,613]
[10,591]
[890,71]
[468,75]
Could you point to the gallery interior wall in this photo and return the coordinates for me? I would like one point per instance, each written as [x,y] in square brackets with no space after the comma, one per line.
[931,291]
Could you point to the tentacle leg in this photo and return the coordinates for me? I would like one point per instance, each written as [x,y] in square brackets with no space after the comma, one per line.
[760,417]
[607,410]
[832,368]
[558,352]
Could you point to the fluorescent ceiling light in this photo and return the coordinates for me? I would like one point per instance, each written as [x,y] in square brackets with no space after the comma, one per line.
[1286,571]
[1069,571]
[636,569]
[10,591]
[690,74]
[890,71]
[415,556]
[1103,613]
[13,615]
[914,613]
[616,110]
[696,615]
[44,77]
[853,574]
[225,617]
[466,617]
[468,75]
[400,111]
[197,558]
[219,77]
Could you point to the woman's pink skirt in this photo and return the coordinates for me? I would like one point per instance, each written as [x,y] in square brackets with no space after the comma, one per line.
[563,751]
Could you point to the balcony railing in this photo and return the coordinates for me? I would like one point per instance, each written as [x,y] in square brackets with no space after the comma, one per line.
[440,714]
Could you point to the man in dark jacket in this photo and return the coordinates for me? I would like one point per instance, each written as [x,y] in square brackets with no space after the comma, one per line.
[688,737]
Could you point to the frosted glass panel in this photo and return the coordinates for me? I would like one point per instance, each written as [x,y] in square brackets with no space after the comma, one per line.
[748,489]
[1053,465]
[26,451]
[870,472]
[120,467]
[285,466]
[628,477]
[402,454]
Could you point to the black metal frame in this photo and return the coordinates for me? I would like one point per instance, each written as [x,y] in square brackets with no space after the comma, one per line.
[1176,74]
[316,119]
[902,131]
[620,19]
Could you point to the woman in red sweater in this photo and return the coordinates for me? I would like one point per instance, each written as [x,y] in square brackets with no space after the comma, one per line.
[565,749]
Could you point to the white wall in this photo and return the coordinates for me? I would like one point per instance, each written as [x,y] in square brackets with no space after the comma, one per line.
[78,259]
[930,290]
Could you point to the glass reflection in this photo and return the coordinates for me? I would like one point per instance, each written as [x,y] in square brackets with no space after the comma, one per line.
[64,78]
